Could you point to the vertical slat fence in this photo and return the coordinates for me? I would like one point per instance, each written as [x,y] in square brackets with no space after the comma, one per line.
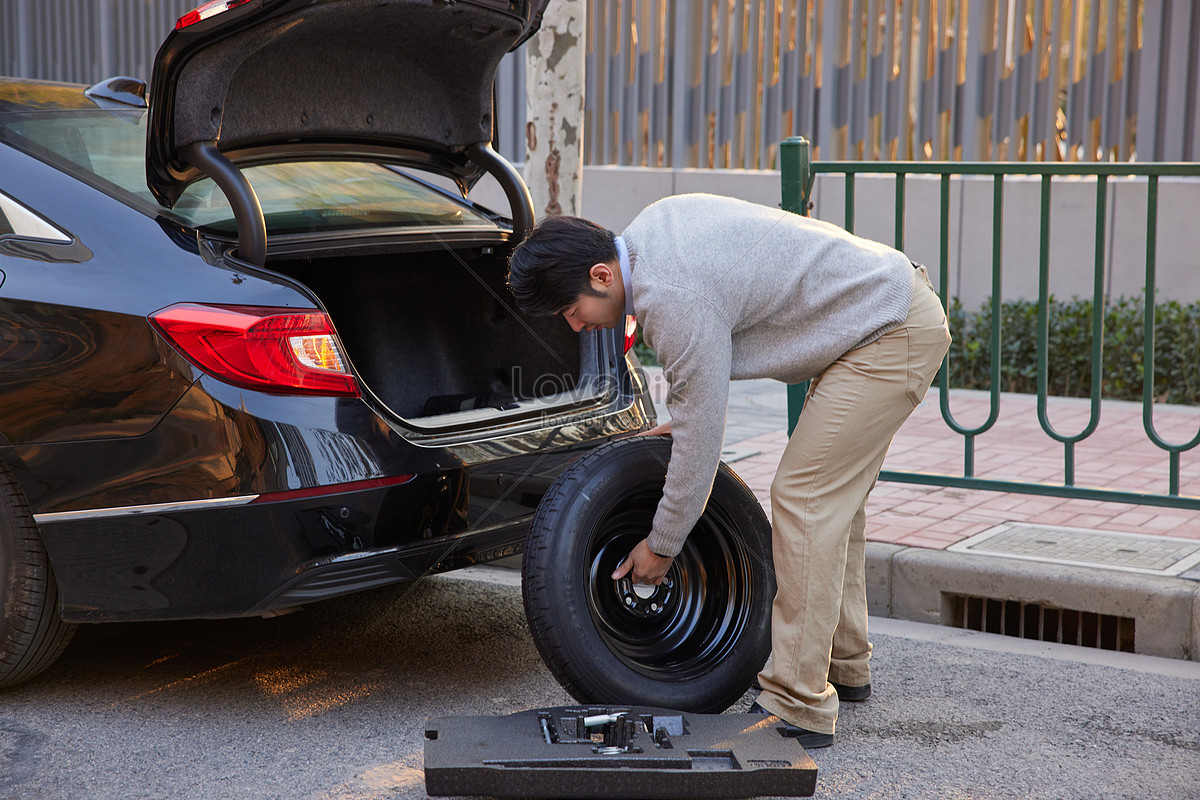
[719,83]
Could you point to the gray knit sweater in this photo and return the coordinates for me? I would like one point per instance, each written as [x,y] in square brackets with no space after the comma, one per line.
[726,289]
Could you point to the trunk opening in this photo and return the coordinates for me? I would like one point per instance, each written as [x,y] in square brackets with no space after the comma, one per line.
[438,338]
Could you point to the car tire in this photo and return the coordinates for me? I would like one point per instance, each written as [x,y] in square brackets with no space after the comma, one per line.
[32,635]
[695,644]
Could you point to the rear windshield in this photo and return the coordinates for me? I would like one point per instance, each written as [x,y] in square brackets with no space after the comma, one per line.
[108,150]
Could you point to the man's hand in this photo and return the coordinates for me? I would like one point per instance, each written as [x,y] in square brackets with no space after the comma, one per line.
[658,430]
[643,566]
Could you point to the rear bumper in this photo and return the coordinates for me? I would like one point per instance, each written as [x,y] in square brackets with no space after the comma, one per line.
[248,559]
[218,560]
[359,571]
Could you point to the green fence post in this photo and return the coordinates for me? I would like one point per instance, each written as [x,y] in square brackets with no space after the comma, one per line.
[796,176]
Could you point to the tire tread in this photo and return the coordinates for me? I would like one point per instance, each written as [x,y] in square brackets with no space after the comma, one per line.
[32,633]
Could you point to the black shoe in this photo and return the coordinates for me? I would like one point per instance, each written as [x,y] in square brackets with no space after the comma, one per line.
[809,740]
[852,694]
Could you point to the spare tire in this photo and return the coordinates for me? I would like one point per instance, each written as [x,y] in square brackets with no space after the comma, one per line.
[694,643]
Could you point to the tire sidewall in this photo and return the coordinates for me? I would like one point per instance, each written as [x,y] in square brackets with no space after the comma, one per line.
[556,576]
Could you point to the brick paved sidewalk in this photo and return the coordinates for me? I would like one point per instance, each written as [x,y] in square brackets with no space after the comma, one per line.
[1117,456]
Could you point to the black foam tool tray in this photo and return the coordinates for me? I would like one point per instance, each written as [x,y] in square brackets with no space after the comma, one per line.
[614,752]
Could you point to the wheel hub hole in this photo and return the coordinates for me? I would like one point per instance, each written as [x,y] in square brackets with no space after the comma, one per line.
[644,600]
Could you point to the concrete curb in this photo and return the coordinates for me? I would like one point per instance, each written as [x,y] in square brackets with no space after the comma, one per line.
[912,583]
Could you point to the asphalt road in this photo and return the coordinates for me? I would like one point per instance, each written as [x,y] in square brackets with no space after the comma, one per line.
[330,703]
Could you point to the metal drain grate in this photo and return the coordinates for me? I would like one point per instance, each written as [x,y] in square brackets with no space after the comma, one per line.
[1039,622]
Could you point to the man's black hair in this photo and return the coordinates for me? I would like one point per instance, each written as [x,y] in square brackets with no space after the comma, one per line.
[550,269]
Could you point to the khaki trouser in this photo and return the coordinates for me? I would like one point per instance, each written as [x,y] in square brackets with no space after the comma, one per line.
[818,505]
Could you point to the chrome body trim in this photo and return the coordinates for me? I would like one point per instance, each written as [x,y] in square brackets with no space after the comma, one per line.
[153,508]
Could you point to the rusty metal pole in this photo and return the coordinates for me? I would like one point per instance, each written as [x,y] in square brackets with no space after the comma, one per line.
[554,81]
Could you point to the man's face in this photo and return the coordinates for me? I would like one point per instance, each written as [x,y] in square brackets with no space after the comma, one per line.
[589,313]
[605,308]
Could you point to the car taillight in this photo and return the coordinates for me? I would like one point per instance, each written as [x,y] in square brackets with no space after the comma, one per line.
[207,10]
[630,331]
[269,349]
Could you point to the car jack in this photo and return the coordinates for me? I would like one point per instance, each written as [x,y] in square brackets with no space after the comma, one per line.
[614,752]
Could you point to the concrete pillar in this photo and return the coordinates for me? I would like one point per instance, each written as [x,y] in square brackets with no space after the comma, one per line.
[554,73]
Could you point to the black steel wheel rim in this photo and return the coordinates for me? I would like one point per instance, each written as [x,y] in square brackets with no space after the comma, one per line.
[687,626]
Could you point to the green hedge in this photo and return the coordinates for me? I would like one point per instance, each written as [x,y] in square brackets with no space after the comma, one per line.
[1176,339]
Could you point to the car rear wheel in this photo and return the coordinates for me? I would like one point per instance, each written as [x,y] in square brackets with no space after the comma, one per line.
[696,642]
[32,635]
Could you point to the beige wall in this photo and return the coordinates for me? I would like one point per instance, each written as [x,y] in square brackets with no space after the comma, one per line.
[612,196]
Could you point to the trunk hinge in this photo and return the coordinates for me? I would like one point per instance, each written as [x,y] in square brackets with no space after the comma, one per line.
[510,180]
[247,213]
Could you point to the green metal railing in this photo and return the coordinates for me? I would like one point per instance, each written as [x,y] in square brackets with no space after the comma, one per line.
[798,174]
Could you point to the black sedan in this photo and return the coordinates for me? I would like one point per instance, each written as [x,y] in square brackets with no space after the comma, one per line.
[249,359]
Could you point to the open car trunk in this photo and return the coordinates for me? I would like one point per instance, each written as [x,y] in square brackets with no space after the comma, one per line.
[437,338]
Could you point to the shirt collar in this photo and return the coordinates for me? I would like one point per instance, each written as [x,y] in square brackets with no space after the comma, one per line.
[626,272]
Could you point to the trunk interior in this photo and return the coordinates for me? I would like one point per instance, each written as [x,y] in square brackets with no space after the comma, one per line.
[437,337]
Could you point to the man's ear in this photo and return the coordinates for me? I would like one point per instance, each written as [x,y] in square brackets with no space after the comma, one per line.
[602,272]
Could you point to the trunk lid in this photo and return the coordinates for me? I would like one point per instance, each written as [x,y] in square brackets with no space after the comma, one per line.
[403,81]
